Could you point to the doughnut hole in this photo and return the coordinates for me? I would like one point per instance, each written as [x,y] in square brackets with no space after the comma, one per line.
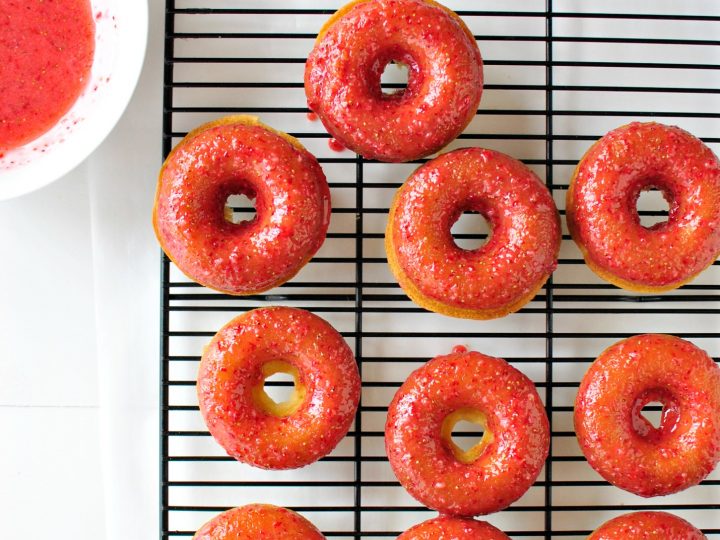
[274,395]
[653,206]
[655,414]
[240,208]
[471,231]
[394,78]
[466,449]
[393,75]
[652,412]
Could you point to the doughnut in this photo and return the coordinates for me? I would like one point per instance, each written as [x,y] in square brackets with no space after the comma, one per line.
[256,521]
[342,78]
[621,444]
[481,389]
[452,528]
[245,421]
[604,222]
[231,156]
[647,526]
[497,278]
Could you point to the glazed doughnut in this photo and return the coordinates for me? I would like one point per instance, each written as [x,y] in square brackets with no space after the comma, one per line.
[452,528]
[239,155]
[245,421]
[604,222]
[497,278]
[621,444]
[487,391]
[647,526]
[342,78]
[256,521]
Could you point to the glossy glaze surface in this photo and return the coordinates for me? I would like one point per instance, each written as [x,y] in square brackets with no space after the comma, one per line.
[602,214]
[47,51]
[232,370]
[240,156]
[500,276]
[342,78]
[621,444]
[451,528]
[647,526]
[425,463]
[258,521]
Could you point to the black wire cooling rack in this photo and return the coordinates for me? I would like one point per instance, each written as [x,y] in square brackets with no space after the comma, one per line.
[559,74]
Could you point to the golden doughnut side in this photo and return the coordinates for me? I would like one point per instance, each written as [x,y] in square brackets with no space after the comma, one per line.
[268,404]
[349,6]
[469,415]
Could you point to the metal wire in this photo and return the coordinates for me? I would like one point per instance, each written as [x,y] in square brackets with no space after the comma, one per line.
[553,339]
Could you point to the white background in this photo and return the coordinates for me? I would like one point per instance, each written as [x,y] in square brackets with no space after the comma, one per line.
[79,428]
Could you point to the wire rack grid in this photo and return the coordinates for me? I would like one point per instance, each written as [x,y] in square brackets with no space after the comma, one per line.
[558,74]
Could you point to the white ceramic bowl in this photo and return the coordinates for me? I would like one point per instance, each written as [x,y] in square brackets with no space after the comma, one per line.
[120,41]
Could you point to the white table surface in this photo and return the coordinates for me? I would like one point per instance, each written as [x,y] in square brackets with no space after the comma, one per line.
[80,275]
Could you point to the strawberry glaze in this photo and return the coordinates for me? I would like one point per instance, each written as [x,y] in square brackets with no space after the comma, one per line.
[237,155]
[335,145]
[256,521]
[231,370]
[623,446]
[647,526]
[452,528]
[424,461]
[504,273]
[602,215]
[342,78]
[47,53]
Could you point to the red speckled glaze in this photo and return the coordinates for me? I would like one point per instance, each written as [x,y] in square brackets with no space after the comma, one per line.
[500,276]
[342,78]
[623,446]
[231,367]
[46,55]
[423,460]
[647,526]
[452,528]
[603,219]
[238,155]
[335,145]
[258,521]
